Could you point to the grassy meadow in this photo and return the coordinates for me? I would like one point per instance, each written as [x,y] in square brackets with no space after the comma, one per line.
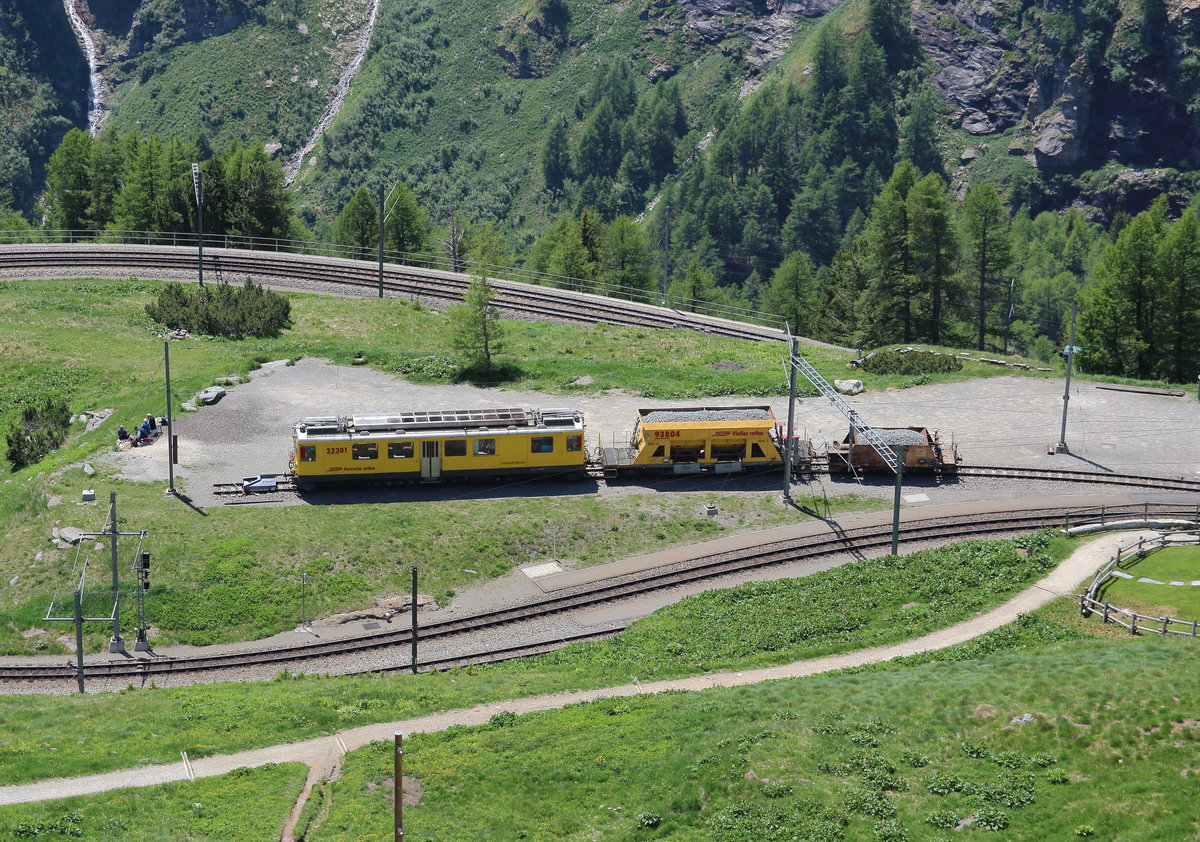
[1171,564]
[754,625]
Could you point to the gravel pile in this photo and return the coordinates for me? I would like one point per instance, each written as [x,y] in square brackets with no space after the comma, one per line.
[898,437]
[668,416]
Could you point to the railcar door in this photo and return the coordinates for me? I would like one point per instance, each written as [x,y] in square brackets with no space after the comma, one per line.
[431,460]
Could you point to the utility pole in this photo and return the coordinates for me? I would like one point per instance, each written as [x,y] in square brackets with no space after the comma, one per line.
[116,645]
[398,786]
[171,442]
[1061,447]
[414,620]
[789,434]
[381,241]
[79,630]
[896,499]
[666,250]
[1008,318]
[197,183]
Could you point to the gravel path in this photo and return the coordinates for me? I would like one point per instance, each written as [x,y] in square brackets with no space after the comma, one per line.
[323,754]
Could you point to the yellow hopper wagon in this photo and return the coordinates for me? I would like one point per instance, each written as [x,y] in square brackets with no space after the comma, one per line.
[440,445]
[721,439]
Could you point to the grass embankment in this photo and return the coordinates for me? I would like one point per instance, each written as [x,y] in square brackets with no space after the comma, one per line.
[1171,564]
[840,610]
[248,804]
[1016,746]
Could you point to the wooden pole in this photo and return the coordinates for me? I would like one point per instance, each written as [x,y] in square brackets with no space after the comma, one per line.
[398,786]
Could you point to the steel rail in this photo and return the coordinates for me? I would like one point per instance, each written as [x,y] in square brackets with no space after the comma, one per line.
[793,551]
[512,296]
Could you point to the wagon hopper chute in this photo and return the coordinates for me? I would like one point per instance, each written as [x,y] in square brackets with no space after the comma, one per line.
[424,446]
[722,439]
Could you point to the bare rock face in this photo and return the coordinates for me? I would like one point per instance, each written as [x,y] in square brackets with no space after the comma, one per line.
[759,30]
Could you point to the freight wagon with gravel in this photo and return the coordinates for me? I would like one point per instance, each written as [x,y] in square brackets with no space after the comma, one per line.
[689,440]
[433,446]
[923,451]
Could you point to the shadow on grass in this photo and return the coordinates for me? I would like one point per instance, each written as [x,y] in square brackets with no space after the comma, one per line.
[481,376]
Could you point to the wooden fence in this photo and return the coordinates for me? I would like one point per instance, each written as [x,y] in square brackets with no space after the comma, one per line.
[1132,620]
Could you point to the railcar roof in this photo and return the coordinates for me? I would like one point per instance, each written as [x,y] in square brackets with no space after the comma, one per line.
[463,421]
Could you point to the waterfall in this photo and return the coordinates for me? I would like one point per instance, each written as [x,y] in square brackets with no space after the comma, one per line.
[291,167]
[94,109]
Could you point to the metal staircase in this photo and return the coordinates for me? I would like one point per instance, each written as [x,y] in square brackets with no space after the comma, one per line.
[864,430]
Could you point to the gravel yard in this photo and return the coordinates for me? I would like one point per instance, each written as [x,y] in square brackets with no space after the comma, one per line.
[998,421]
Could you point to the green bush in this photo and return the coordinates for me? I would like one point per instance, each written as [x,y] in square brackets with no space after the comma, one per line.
[910,362]
[223,310]
[42,429]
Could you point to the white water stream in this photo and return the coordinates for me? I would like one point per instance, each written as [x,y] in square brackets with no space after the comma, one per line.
[291,167]
[95,111]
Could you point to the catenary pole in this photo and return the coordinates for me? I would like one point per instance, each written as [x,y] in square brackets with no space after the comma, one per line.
[896,499]
[170,424]
[1062,436]
[789,443]
[197,182]
[117,643]
[381,241]
[79,634]
[414,620]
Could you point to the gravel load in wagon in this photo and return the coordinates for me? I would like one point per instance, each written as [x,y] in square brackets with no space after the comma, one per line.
[898,437]
[675,416]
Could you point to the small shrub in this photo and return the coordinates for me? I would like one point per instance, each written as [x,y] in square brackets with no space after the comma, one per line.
[42,428]
[507,719]
[1043,760]
[944,819]
[914,759]
[223,310]
[890,830]
[775,790]
[1058,777]
[1085,830]
[989,818]
[649,820]
[972,748]
[870,804]
[943,784]
[911,362]
[1009,759]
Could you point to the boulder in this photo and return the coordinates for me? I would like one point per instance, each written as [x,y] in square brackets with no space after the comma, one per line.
[211,395]
[70,534]
[849,387]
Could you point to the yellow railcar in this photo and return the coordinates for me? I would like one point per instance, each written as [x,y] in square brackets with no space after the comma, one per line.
[439,445]
[721,439]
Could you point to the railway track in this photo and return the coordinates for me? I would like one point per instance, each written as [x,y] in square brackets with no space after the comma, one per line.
[361,278]
[853,542]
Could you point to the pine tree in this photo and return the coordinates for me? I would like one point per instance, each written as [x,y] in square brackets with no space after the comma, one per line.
[69,182]
[141,203]
[933,244]
[1179,269]
[570,257]
[357,226]
[885,310]
[625,256]
[406,228]
[793,295]
[475,326]
[918,138]
[556,156]
[108,162]
[985,224]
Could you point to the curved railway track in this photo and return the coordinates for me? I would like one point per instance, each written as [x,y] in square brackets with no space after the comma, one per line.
[854,542]
[361,278]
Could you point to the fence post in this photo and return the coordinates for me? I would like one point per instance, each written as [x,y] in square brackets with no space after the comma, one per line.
[1133,622]
[1193,628]
[1105,615]
[1166,622]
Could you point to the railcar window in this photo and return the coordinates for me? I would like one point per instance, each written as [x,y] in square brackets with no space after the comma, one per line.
[541,444]
[661,450]
[400,450]
[308,453]
[485,447]
[756,451]
[456,447]
[574,444]
[365,450]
